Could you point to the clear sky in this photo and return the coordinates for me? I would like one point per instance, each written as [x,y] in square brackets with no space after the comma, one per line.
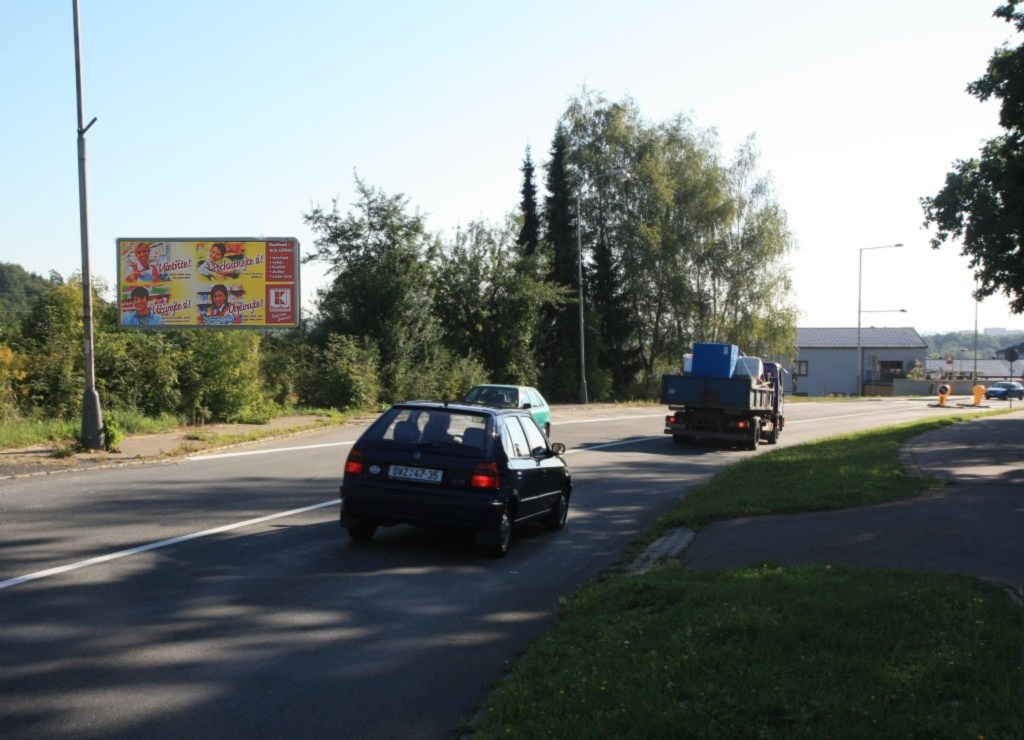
[232,118]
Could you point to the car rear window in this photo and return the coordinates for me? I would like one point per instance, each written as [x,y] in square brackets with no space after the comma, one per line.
[497,396]
[432,426]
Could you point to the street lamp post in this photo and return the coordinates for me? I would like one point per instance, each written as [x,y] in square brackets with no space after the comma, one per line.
[974,373]
[860,273]
[620,174]
[92,415]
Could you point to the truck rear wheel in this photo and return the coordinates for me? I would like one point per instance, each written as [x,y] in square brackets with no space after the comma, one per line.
[755,438]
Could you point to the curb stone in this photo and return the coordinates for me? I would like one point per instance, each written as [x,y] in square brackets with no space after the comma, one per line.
[666,546]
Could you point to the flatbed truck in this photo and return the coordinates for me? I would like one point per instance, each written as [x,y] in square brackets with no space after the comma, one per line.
[743,409]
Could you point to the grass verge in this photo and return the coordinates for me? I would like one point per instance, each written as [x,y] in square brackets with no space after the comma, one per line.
[772,652]
[836,473]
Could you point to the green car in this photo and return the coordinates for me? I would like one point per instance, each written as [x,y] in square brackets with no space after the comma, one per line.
[512,397]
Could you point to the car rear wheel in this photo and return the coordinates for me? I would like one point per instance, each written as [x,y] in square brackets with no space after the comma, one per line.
[560,513]
[504,534]
[362,531]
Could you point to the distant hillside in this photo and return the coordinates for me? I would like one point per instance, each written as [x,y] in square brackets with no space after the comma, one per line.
[961,344]
[19,289]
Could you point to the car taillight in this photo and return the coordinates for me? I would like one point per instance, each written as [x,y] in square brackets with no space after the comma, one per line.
[354,463]
[485,475]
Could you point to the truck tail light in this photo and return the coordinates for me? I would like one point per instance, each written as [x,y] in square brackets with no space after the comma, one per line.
[485,475]
[354,463]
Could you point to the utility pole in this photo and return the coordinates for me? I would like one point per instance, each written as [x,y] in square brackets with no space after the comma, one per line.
[92,416]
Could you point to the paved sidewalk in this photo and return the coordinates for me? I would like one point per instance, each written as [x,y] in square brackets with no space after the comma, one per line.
[974,525]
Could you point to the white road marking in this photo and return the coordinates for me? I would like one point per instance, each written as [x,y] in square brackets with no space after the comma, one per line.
[611,444]
[221,455]
[841,416]
[157,545]
[610,418]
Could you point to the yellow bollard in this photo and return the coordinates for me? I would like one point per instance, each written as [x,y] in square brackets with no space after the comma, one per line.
[944,391]
[979,392]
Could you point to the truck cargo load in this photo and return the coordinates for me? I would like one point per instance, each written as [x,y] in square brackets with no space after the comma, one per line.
[748,367]
[715,360]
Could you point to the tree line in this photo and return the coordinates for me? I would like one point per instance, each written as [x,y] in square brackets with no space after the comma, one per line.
[690,247]
[960,344]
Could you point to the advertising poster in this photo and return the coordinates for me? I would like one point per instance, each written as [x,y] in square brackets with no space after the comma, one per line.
[234,282]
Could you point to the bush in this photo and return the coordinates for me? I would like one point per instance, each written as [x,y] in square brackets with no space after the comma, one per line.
[219,376]
[343,375]
[10,376]
[112,435]
[438,376]
[138,371]
[284,360]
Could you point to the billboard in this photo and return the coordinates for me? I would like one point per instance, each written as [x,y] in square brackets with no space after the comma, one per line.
[234,282]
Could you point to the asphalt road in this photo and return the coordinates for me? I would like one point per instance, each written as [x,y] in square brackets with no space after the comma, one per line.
[219,596]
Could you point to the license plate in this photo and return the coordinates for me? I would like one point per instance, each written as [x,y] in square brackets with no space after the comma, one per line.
[423,475]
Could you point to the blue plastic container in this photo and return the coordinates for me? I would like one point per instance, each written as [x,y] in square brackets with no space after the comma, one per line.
[712,360]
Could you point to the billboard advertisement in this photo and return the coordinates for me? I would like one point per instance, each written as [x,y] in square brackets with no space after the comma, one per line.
[233,282]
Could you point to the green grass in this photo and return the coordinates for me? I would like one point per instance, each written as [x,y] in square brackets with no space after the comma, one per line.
[772,652]
[29,432]
[769,653]
[835,473]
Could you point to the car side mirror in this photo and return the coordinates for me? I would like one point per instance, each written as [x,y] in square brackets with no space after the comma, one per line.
[558,448]
[527,406]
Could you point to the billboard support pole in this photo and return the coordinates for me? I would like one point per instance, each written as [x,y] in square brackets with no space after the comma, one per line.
[92,415]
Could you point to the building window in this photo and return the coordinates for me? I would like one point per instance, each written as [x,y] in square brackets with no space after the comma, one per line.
[889,370]
[800,368]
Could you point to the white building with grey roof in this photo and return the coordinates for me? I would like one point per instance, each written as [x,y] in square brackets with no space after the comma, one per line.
[828,362]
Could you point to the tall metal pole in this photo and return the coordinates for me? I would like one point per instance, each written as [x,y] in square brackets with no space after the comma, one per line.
[579,278]
[860,364]
[860,272]
[92,416]
[974,374]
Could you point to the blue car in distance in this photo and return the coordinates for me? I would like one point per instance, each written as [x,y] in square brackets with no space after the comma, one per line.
[1005,389]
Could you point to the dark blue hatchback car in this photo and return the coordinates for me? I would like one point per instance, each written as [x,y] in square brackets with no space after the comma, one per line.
[484,470]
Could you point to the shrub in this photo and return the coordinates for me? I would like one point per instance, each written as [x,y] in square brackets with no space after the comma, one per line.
[343,376]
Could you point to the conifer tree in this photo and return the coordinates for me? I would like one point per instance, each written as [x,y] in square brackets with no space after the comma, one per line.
[560,338]
[529,234]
